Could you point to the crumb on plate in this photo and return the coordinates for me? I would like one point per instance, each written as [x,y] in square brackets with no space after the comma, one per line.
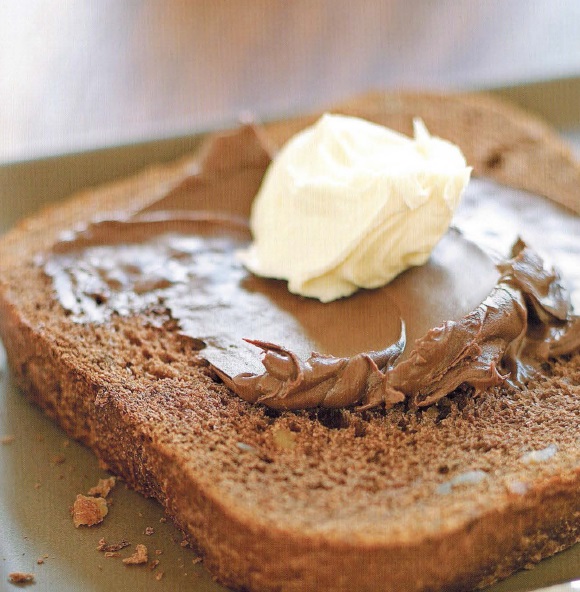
[88,511]
[112,547]
[140,556]
[103,487]
[19,577]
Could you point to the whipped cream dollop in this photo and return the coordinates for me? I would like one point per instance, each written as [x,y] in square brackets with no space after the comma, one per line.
[349,204]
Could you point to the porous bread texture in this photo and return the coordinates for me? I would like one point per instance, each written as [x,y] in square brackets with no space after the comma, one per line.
[446,498]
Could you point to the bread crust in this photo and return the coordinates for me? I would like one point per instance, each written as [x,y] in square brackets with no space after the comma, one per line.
[157,431]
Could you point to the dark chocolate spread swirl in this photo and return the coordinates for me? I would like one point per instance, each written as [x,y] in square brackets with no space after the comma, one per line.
[179,252]
[505,338]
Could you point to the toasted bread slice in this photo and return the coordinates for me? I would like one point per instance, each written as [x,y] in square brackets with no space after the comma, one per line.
[453,497]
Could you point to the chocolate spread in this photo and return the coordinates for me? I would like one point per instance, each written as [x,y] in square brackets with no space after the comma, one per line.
[508,311]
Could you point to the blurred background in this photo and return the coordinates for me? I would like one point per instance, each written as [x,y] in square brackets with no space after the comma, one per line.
[79,74]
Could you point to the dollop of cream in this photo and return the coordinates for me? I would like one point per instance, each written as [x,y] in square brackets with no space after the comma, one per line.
[348,204]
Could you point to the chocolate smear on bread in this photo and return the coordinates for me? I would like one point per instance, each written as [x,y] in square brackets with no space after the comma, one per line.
[470,317]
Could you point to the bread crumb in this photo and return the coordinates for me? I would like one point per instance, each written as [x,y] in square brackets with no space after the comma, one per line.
[196,560]
[140,556]
[158,551]
[517,487]
[112,547]
[58,459]
[154,564]
[88,511]
[40,561]
[163,520]
[19,577]
[159,575]
[8,439]
[65,443]
[103,487]
[539,456]
[245,447]
[462,479]
[109,554]
[149,531]
[183,543]
[284,438]
[37,485]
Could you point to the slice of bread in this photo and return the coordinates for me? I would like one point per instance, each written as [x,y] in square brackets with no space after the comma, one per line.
[449,498]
